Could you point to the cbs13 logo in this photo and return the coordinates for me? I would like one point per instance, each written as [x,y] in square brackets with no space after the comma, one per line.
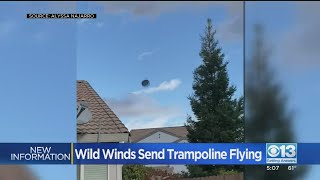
[281,150]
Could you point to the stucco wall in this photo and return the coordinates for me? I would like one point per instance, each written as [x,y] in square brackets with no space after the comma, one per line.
[161,137]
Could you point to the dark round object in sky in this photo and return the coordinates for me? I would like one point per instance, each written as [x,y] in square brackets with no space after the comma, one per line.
[145,83]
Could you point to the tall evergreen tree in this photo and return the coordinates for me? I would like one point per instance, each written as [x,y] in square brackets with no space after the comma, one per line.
[218,115]
[267,117]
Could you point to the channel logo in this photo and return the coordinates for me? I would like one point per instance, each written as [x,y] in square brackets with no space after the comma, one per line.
[281,153]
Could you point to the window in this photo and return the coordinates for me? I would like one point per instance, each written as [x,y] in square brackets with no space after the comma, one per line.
[94,172]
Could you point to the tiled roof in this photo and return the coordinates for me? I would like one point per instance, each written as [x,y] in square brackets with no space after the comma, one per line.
[101,113]
[139,134]
[16,172]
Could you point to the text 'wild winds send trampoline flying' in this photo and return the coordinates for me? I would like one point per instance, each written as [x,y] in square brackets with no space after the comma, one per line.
[171,154]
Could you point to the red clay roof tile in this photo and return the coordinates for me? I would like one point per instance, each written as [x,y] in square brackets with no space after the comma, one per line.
[101,113]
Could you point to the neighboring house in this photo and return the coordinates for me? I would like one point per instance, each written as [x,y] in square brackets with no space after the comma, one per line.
[161,135]
[104,126]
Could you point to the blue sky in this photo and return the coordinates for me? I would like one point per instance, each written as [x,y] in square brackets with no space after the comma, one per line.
[129,42]
[41,59]
[38,73]
[292,33]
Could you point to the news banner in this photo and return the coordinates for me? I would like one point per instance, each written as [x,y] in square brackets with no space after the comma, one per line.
[160,153]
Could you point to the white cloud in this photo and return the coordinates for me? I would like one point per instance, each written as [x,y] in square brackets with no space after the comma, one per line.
[299,47]
[137,8]
[231,29]
[143,111]
[162,121]
[164,86]
[154,8]
[139,106]
[143,55]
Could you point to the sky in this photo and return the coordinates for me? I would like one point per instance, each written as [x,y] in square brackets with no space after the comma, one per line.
[41,59]
[291,32]
[37,73]
[130,42]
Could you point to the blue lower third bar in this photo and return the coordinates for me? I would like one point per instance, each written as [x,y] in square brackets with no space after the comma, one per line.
[160,153]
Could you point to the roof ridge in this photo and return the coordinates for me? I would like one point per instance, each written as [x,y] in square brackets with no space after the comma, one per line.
[158,128]
[154,130]
[104,105]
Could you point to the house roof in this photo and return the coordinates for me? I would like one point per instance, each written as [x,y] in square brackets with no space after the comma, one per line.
[16,172]
[178,131]
[101,113]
